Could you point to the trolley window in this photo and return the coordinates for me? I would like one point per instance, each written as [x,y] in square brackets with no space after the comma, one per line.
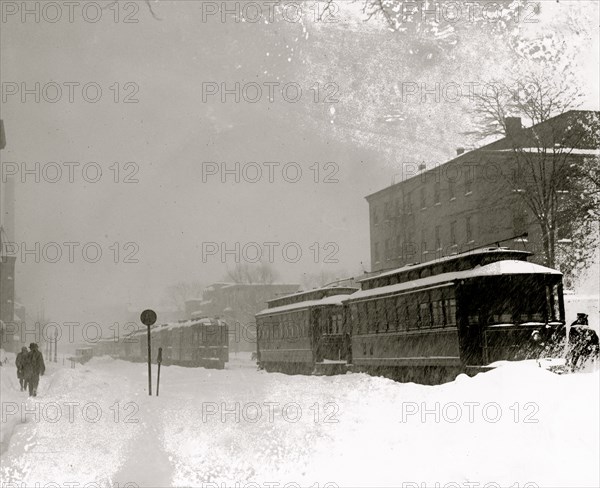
[363,318]
[424,315]
[372,315]
[402,313]
[392,320]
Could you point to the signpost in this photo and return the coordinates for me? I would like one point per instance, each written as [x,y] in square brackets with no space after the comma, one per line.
[148,318]
[158,360]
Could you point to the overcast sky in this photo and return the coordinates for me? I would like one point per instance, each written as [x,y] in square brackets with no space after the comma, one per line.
[170,212]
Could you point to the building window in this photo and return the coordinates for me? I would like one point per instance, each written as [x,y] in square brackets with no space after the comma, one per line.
[453,233]
[451,189]
[438,242]
[407,203]
[564,233]
[386,211]
[469,228]
[398,208]
[519,221]
[409,248]
[423,198]
[376,252]
[375,216]
[468,181]
[436,193]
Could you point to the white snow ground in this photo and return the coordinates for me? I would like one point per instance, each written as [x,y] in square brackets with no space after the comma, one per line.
[518,424]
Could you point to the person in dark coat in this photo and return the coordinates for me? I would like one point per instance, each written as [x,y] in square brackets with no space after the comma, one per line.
[34,367]
[583,342]
[20,364]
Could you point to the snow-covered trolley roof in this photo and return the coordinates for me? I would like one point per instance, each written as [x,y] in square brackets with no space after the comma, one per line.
[207,322]
[488,251]
[498,268]
[189,323]
[314,294]
[331,300]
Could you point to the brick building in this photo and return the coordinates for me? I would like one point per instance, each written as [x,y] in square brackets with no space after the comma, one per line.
[468,202]
[7,263]
[7,297]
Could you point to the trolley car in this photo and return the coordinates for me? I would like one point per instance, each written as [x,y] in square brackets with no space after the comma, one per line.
[198,342]
[429,322]
[426,322]
[107,347]
[304,331]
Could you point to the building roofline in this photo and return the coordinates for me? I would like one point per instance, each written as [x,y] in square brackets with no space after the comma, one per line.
[495,146]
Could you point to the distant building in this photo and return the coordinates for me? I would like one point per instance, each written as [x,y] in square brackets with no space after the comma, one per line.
[237,304]
[465,203]
[8,341]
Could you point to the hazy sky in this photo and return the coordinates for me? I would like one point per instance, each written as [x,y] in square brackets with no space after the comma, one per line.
[169,213]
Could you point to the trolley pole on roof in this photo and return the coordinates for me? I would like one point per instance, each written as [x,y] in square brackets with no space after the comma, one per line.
[148,318]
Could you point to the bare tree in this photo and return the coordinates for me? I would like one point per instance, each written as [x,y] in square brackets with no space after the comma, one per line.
[179,293]
[552,178]
[435,23]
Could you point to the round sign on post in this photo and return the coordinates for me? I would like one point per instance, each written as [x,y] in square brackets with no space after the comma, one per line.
[148,317]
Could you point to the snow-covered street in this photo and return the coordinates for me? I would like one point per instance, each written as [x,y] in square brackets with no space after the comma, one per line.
[96,423]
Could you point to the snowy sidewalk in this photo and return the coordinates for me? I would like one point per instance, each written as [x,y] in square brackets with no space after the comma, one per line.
[239,425]
[72,432]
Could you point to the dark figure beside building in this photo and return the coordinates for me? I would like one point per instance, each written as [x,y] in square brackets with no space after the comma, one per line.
[20,364]
[34,367]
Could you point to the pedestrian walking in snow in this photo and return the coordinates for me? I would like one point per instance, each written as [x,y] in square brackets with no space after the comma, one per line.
[34,367]
[20,364]
[583,342]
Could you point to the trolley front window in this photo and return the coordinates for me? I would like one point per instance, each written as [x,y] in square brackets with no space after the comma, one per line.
[515,299]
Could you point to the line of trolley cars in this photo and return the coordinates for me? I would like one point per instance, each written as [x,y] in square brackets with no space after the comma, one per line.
[426,322]
[197,342]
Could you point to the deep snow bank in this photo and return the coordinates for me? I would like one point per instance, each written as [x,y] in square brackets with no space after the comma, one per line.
[515,425]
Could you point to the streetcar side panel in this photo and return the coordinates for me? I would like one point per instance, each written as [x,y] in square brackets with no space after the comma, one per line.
[407,335]
[285,337]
